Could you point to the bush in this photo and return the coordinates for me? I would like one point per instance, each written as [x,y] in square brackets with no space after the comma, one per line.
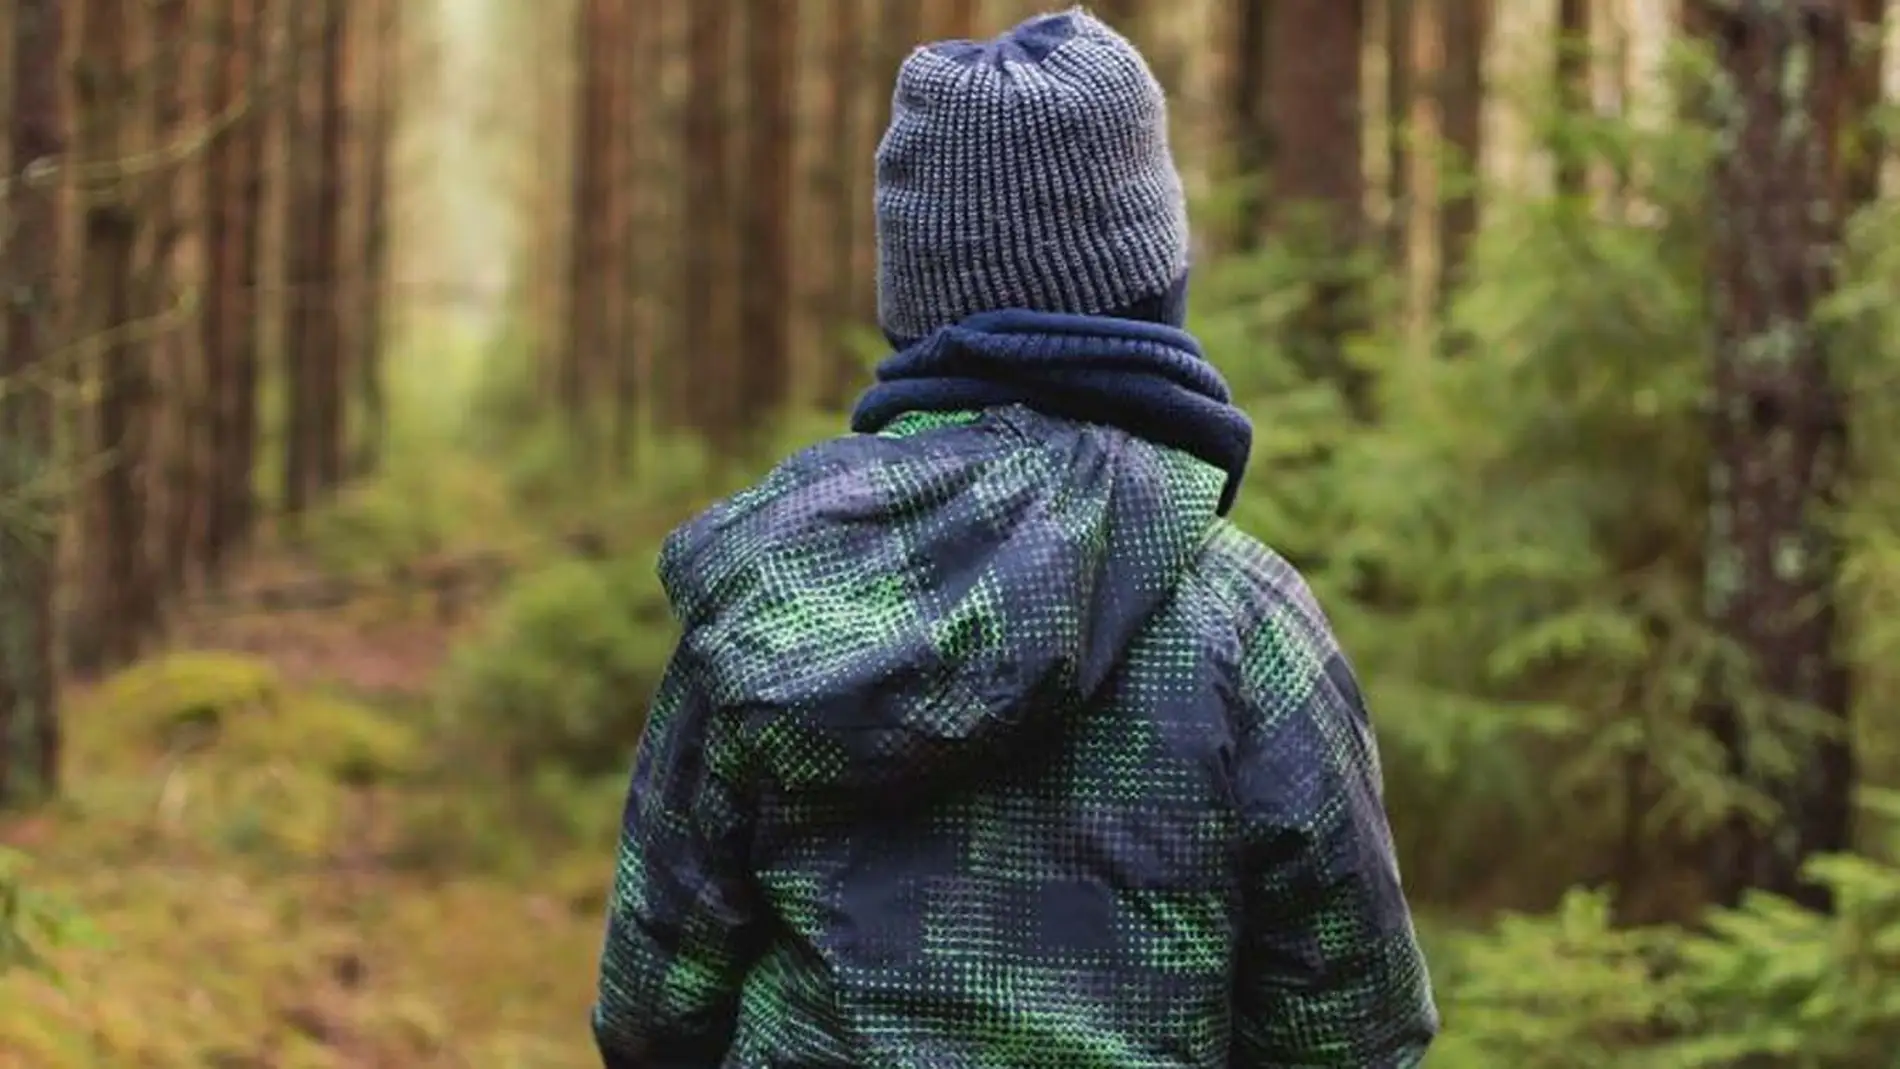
[1768,980]
[561,673]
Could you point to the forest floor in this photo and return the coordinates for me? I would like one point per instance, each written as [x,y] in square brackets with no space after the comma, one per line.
[268,867]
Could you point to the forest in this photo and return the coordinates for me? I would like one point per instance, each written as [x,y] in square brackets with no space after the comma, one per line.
[358,354]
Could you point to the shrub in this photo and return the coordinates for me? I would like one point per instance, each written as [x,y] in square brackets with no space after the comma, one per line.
[561,673]
[1768,980]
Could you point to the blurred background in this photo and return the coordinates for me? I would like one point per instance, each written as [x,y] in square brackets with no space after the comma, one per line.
[358,354]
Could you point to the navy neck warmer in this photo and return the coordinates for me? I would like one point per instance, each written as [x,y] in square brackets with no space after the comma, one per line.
[1148,379]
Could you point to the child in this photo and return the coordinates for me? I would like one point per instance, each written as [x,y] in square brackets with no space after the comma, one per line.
[989,741]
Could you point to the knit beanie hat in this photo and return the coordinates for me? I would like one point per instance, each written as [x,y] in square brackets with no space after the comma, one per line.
[1030,171]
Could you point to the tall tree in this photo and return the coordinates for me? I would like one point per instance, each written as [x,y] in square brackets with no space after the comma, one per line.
[1252,122]
[300,176]
[1466,32]
[1401,58]
[29,260]
[766,372]
[1124,15]
[642,86]
[313,359]
[1318,169]
[384,69]
[117,596]
[1778,424]
[1861,173]
[592,244]
[704,307]
[1573,90]
[174,496]
[326,360]
[616,224]
[958,18]
[234,207]
[849,170]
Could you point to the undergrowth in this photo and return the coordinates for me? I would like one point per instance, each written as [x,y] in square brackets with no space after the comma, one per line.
[255,873]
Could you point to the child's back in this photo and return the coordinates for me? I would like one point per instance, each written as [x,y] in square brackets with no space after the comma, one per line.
[989,742]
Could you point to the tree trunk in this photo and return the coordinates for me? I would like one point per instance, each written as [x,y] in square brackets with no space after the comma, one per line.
[119,591]
[708,223]
[379,142]
[326,358]
[1861,174]
[604,373]
[957,18]
[1467,31]
[1778,430]
[1401,29]
[234,203]
[1124,16]
[640,36]
[301,272]
[766,373]
[849,165]
[29,713]
[1253,130]
[314,361]
[589,249]
[1319,181]
[175,362]
[1573,90]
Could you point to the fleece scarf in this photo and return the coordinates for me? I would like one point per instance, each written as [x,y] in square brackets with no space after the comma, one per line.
[1147,379]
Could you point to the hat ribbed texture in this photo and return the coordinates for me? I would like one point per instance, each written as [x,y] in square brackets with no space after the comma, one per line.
[1031,171]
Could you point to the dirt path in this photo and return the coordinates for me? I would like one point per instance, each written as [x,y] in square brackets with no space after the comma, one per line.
[372,641]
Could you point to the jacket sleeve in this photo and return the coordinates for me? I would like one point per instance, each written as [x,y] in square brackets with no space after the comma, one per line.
[1330,973]
[683,915]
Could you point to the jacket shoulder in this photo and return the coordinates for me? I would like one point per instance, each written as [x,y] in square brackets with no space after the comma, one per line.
[1258,585]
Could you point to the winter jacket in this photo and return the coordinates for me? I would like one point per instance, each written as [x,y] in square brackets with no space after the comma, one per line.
[989,742]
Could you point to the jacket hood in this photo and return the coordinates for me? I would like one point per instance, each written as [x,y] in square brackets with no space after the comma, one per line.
[886,612]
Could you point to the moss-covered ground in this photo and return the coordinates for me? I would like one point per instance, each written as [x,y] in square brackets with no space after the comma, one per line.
[268,874]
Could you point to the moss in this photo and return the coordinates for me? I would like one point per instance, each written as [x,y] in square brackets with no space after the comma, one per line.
[179,701]
[240,911]
[190,702]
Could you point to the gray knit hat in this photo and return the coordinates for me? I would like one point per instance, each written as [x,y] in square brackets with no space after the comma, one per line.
[1030,171]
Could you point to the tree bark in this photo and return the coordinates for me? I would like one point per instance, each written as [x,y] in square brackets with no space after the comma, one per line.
[1467,31]
[708,225]
[326,358]
[766,373]
[1319,181]
[302,280]
[849,167]
[589,249]
[175,362]
[1253,130]
[379,142]
[1778,431]
[29,711]
[1573,90]
[1401,30]
[1861,175]
[234,203]
[118,594]
[616,311]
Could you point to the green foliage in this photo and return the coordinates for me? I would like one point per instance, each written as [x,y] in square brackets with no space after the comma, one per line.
[1512,548]
[31,923]
[561,672]
[1768,979]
